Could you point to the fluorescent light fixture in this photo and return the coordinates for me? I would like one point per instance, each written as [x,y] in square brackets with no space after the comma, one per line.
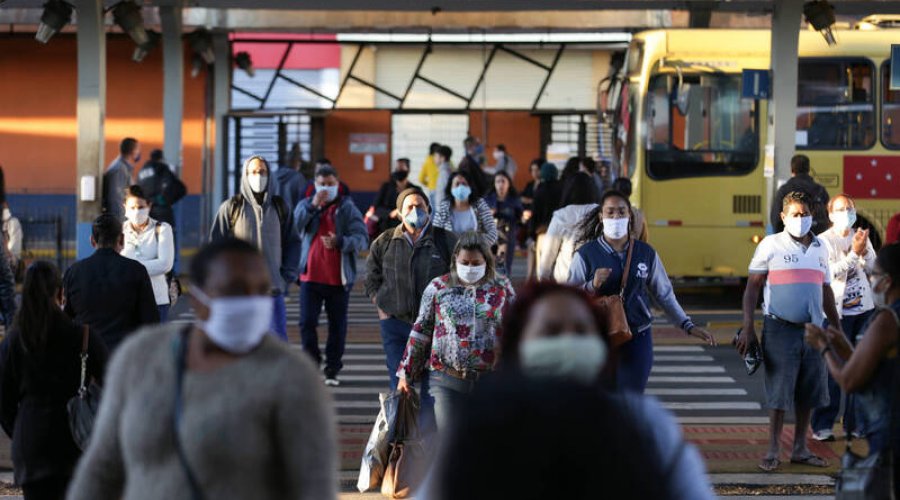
[128,16]
[56,15]
[599,37]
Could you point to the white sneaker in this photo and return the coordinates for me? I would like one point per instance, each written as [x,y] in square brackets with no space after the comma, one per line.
[332,382]
[823,435]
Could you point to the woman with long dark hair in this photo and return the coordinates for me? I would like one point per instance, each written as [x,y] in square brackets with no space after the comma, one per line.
[507,208]
[604,245]
[40,372]
[464,209]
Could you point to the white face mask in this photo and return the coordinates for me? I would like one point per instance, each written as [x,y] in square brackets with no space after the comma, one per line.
[258,182]
[332,191]
[880,298]
[843,220]
[236,324]
[568,356]
[498,155]
[615,229]
[798,226]
[470,274]
[137,216]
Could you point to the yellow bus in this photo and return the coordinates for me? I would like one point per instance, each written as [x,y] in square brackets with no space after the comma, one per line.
[695,149]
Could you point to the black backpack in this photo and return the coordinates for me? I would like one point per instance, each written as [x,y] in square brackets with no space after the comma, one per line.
[237,201]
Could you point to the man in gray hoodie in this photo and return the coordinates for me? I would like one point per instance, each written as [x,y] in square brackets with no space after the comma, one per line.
[265,220]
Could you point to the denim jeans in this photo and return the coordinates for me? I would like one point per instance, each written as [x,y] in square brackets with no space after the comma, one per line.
[163,312]
[635,362]
[823,418]
[336,300]
[279,317]
[448,393]
[394,335]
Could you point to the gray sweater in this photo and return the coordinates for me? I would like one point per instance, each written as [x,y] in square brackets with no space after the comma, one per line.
[261,427]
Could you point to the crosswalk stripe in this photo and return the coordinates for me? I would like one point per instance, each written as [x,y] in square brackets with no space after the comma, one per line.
[357,404]
[364,368]
[364,357]
[687,369]
[682,358]
[706,405]
[366,378]
[358,390]
[677,348]
[656,391]
[691,380]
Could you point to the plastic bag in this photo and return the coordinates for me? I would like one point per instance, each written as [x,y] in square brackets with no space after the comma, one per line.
[375,456]
[407,460]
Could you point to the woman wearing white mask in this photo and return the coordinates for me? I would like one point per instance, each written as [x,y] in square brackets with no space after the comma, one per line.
[464,209]
[149,242]
[605,249]
[455,335]
[553,332]
[217,409]
[851,258]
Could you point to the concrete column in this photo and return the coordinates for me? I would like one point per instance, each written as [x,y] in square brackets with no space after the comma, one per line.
[782,114]
[221,107]
[91,112]
[173,81]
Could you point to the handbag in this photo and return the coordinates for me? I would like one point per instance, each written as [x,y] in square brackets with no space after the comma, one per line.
[613,308]
[407,460]
[871,477]
[83,407]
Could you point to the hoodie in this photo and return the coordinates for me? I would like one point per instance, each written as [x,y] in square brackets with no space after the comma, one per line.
[558,245]
[258,223]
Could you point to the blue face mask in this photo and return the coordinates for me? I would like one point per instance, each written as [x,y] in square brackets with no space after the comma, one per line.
[331,190]
[461,192]
[416,219]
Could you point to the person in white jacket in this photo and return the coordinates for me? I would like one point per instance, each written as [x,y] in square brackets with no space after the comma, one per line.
[12,232]
[558,244]
[151,243]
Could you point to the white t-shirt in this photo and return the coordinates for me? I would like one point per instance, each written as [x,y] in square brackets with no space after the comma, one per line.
[849,273]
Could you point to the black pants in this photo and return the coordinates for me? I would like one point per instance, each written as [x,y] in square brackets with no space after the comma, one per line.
[52,488]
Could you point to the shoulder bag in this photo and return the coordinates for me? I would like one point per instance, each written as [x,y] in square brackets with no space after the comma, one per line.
[871,477]
[181,347]
[613,308]
[83,407]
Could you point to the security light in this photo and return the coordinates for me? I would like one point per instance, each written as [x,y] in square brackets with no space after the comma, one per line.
[141,51]
[243,61]
[200,41]
[128,16]
[56,15]
[820,14]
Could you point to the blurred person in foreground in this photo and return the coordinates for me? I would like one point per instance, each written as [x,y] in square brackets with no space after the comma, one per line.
[871,370]
[108,291]
[40,372]
[454,341]
[604,242]
[548,414]
[229,411]
[151,243]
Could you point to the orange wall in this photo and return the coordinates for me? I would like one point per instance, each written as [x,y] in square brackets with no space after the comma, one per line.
[519,131]
[38,119]
[338,127]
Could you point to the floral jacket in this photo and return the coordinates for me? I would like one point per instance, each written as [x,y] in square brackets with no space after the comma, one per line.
[457,327]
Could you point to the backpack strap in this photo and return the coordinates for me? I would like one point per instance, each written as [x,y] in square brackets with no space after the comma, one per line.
[627,269]
[234,210]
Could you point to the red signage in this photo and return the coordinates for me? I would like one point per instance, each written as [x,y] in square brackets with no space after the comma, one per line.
[872,177]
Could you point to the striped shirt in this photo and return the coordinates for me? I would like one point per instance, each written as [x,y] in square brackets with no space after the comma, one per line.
[796,274]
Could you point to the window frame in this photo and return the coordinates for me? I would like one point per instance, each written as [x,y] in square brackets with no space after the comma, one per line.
[881,101]
[873,101]
[719,168]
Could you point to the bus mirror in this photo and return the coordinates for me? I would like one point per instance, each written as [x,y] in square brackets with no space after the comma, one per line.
[683,98]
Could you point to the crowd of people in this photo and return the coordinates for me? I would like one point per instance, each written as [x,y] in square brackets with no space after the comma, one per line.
[223,407]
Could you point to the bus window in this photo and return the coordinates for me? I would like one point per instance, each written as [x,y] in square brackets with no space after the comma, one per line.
[835,105]
[698,125]
[890,111]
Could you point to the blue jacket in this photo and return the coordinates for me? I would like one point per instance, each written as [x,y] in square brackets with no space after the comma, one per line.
[350,230]
[647,277]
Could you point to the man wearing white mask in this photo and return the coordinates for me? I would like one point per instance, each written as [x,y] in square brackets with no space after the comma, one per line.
[503,162]
[263,219]
[332,232]
[851,257]
[793,267]
[217,409]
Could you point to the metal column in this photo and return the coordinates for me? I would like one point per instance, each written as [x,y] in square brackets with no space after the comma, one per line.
[221,107]
[91,111]
[782,119]
[173,81]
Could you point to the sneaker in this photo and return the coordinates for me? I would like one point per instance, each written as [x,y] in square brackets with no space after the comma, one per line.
[331,380]
[823,435]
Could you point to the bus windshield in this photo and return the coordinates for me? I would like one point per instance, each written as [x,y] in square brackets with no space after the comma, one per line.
[698,125]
